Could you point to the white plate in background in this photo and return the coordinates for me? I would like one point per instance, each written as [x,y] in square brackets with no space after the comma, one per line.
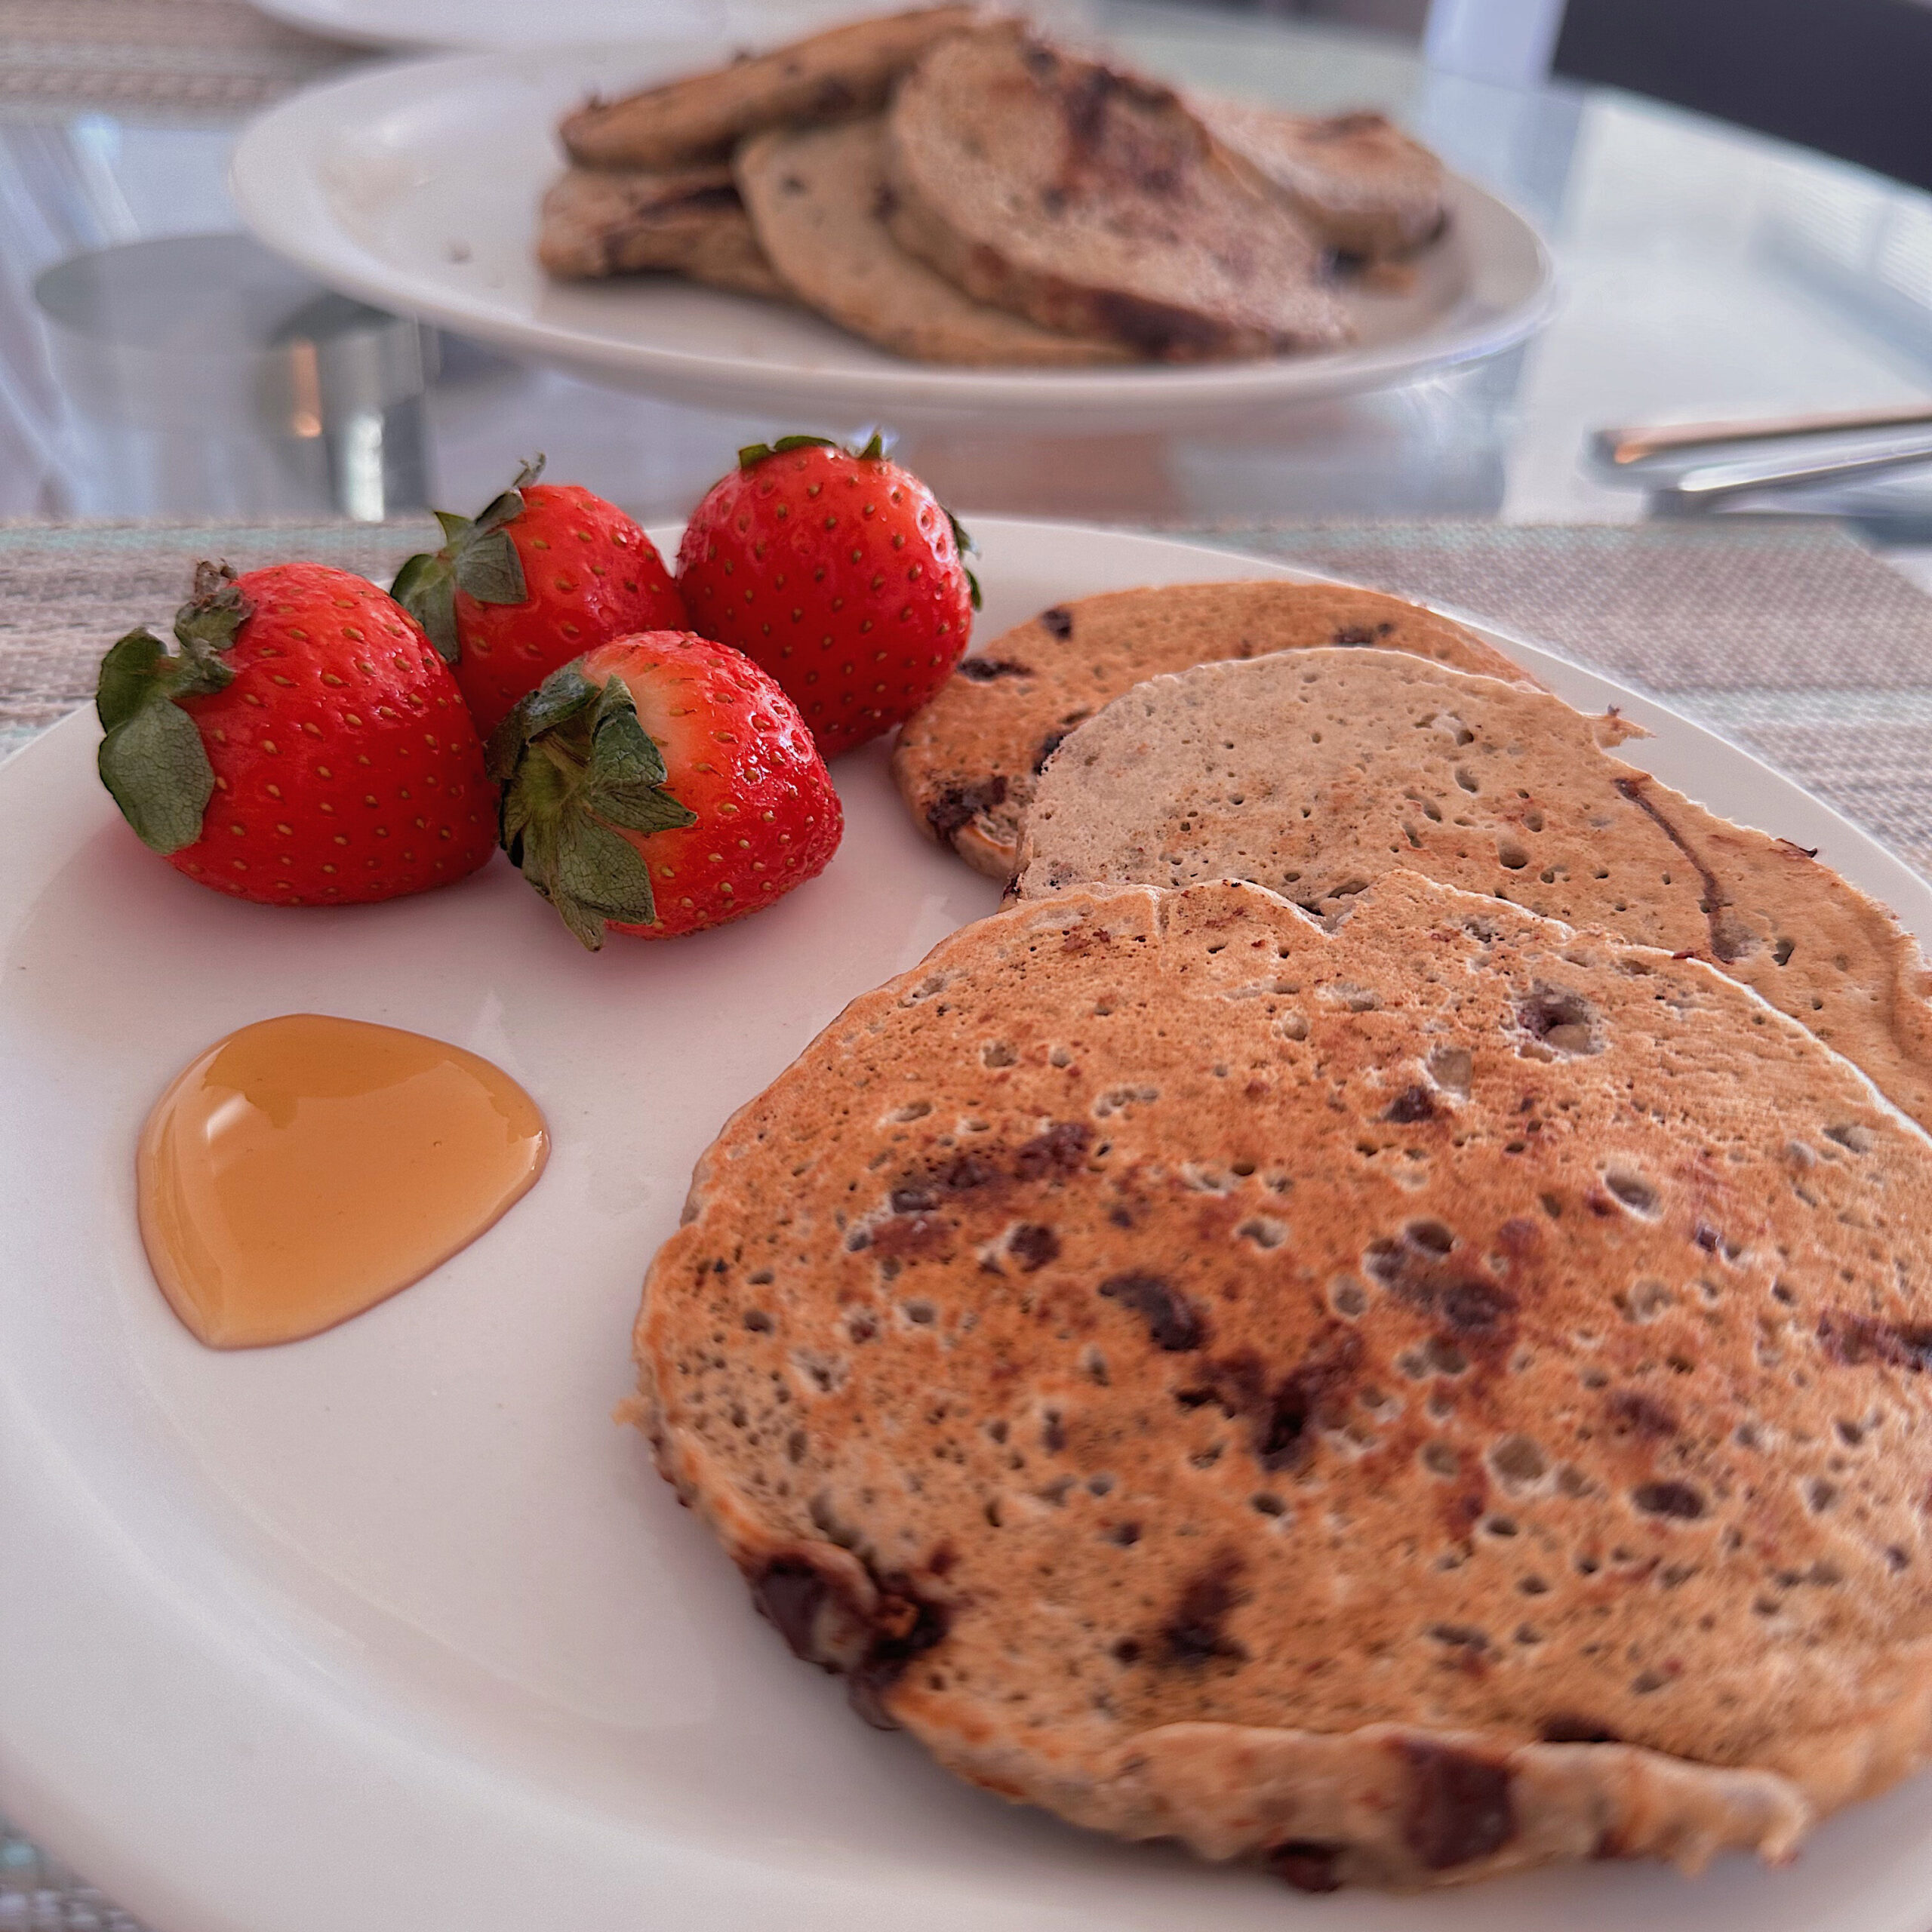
[415,186]
[395,1628]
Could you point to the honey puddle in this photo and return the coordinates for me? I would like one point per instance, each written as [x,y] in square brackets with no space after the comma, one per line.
[305,1168]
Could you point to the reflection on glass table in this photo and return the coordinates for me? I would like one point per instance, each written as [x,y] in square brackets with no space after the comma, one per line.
[1706,272]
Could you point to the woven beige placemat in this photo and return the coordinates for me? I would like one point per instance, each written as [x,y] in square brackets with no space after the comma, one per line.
[203,59]
[1796,642]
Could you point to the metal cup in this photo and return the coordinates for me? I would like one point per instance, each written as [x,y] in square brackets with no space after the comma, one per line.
[204,377]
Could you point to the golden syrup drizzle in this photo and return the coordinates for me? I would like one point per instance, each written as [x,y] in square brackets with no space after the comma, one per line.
[305,1168]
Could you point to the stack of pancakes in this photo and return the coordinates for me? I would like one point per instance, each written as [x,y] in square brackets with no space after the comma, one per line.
[957,190]
[1375,1319]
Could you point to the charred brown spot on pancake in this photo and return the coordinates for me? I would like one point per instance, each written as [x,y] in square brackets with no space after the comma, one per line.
[1459,1806]
[1668,1499]
[908,1237]
[1857,1339]
[1060,1151]
[1194,1634]
[1410,1105]
[1632,1413]
[1033,1246]
[1306,1864]
[985,670]
[955,806]
[1355,635]
[1173,1323]
[1567,1727]
[1559,1018]
[1057,621]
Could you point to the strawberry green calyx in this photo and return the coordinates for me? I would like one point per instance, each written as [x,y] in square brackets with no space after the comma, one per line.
[873,449]
[477,558]
[964,545]
[578,770]
[152,760]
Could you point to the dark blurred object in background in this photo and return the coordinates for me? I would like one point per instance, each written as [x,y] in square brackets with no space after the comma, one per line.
[1853,77]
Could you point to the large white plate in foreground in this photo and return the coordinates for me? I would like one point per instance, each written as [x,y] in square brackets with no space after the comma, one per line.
[394,1629]
[415,186]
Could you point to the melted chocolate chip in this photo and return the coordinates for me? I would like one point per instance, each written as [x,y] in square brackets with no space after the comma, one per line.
[1057,620]
[1061,1150]
[965,1172]
[1033,1246]
[1459,1806]
[1640,1414]
[1048,745]
[1668,1499]
[716,195]
[1194,1634]
[1283,1415]
[789,1592]
[1857,1339]
[956,806]
[1421,1271]
[1353,635]
[1412,1104]
[1158,329]
[1567,1727]
[1173,1323]
[907,1626]
[1306,1864]
[984,670]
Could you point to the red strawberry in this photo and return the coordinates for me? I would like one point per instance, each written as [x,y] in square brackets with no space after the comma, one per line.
[547,572]
[306,747]
[837,572]
[662,784]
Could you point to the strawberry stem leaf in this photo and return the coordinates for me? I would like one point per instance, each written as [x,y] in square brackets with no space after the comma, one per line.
[152,760]
[752,454]
[579,770]
[965,546]
[478,558]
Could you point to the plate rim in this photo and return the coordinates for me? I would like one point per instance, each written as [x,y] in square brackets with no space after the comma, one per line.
[91,1828]
[276,176]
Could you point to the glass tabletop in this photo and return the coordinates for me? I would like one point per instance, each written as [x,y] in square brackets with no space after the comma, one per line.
[1706,272]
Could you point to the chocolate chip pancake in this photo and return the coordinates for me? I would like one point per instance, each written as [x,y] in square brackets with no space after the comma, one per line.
[1314,775]
[1403,1401]
[597,221]
[847,69]
[1092,201]
[966,764]
[817,199]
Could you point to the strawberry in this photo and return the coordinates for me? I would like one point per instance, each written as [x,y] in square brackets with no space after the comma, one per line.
[545,573]
[662,784]
[839,573]
[306,747]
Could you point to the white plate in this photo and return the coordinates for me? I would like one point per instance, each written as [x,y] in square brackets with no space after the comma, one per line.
[415,186]
[394,1629]
[413,25]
